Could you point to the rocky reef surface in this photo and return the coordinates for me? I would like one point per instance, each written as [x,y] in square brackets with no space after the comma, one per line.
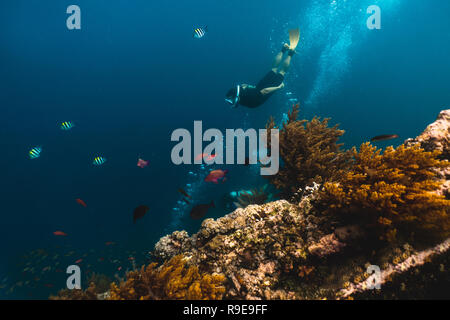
[437,137]
[314,247]
[283,250]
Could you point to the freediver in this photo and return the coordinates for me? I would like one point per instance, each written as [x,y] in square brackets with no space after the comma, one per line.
[254,96]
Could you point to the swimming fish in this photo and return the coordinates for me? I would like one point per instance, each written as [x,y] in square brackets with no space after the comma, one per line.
[384,137]
[205,156]
[35,152]
[200,210]
[184,193]
[109,243]
[81,202]
[215,175]
[60,233]
[200,32]
[142,163]
[139,212]
[67,125]
[98,161]
[78,261]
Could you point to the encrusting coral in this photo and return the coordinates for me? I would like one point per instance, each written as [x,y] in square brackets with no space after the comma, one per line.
[390,192]
[174,280]
[309,152]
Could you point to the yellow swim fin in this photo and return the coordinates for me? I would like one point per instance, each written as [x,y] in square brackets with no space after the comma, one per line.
[294,38]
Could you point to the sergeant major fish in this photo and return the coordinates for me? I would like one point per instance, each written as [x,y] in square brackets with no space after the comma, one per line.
[200,32]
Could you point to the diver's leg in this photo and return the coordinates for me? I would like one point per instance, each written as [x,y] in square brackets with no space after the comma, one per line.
[286,63]
[279,57]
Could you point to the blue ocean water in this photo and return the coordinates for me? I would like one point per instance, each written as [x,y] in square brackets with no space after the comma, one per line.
[134,73]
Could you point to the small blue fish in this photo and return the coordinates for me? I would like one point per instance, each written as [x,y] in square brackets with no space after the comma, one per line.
[98,161]
[67,125]
[200,32]
[35,152]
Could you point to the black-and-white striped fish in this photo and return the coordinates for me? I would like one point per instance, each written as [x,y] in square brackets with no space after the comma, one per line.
[35,152]
[67,125]
[98,161]
[200,32]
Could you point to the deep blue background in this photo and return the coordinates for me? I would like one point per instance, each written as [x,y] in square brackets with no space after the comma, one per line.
[134,73]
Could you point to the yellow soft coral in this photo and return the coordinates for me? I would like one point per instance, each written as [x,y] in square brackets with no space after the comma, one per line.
[390,191]
[174,280]
[309,151]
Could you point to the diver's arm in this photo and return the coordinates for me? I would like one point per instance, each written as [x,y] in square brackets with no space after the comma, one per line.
[271,89]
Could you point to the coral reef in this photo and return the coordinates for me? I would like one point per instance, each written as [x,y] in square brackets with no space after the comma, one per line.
[309,152]
[91,293]
[98,285]
[174,280]
[391,192]
[253,196]
[437,137]
[315,247]
[394,277]
[171,245]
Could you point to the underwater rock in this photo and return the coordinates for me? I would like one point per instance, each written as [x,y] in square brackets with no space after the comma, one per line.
[283,250]
[407,276]
[172,245]
[251,246]
[437,137]
[327,245]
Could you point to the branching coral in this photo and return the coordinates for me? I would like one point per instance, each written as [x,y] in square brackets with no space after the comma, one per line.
[309,151]
[174,280]
[391,192]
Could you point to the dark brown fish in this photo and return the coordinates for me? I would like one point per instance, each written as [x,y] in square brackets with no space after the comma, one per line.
[200,210]
[139,212]
[184,193]
[384,137]
[185,200]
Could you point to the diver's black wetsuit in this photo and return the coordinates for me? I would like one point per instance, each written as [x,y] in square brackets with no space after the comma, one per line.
[252,97]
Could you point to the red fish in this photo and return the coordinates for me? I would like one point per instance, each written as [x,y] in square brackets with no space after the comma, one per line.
[207,157]
[215,175]
[78,261]
[81,202]
[101,259]
[131,258]
[60,233]
[119,268]
[109,243]
[142,163]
